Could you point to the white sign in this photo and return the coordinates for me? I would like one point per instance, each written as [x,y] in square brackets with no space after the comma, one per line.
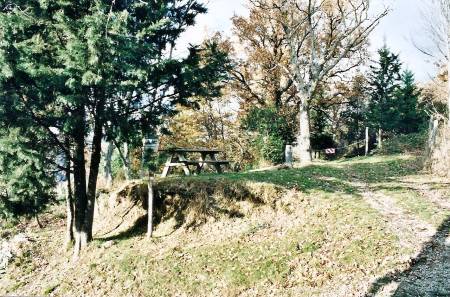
[330,151]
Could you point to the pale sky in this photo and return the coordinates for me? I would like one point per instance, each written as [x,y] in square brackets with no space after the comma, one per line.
[403,25]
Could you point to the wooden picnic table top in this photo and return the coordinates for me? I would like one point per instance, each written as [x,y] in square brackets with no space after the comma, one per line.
[190,150]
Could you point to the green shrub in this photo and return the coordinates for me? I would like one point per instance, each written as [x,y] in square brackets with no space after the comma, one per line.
[406,143]
[273,149]
[273,130]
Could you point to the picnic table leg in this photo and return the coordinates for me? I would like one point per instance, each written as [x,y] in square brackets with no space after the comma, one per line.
[216,165]
[199,168]
[185,167]
[167,167]
[202,165]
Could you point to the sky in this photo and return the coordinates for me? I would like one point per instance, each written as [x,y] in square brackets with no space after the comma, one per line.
[400,30]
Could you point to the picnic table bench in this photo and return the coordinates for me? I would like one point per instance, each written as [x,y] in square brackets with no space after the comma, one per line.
[178,158]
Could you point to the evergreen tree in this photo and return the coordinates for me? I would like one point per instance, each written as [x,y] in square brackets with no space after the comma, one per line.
[411,114]
[354,114]
[26,179]
[384,80]
[79,68]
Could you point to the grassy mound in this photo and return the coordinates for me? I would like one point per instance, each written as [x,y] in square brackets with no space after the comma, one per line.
[180,202]
[296,232]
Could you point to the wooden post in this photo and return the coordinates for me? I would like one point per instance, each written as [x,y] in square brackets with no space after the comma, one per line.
[367,141]
[150,199]
[150,145]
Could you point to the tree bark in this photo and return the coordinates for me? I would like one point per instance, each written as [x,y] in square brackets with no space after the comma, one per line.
[303,149]
[96,155]
[79,175]
[126,160]
[448,81]
[367,142]
[150,205]
[107,169]
[380,138]
[69,211]
[36,215]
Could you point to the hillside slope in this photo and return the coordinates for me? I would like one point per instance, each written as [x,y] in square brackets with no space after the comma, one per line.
[372,226]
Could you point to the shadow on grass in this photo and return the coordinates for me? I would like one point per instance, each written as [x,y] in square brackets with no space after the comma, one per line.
[428,274]
[332,178]
[177,197]
[138,228]
[189,203]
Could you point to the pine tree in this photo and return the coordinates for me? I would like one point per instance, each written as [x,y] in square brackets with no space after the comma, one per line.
[79,68]
[26,179]
[411,114]
[384,80]
[354,113]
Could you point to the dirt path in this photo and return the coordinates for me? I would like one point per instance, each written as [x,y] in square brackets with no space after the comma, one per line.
[412,232]
[428,274]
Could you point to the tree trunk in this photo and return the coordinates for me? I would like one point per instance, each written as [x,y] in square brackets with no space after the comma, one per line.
[150,205]
[433,130]
[303,149]
[36,216]
[448,82]
[69,211]
[96,155]
[367,142]
[126,160]
[380,138]
[79,176]
[124,156]
[107,169]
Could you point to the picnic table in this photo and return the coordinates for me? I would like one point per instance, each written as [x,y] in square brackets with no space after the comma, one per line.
[178,158]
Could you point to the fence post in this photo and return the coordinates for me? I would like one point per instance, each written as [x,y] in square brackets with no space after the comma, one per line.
[367,141]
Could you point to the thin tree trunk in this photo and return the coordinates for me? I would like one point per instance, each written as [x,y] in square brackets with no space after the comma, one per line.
[448,81]
[380,138]
[36,215]
[79,175]
[107,169]
[126,160]
[303,149]
[367,142]
[96,155]
[150,201]
[125,157]
[69,211]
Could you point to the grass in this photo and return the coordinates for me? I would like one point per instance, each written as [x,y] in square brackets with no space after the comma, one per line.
[300,232]
[414,203]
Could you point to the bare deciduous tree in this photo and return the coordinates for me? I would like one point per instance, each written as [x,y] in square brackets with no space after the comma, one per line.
[325,38]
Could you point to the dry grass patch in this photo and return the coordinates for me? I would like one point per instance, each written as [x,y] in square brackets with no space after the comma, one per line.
[297,232]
